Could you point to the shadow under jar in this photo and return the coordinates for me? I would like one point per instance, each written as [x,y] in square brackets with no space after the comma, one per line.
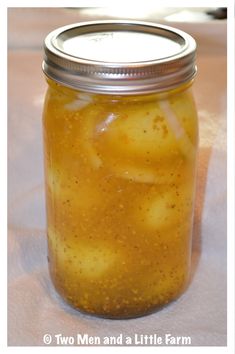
[120,142]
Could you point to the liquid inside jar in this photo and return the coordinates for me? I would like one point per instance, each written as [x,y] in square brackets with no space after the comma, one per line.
[120,178]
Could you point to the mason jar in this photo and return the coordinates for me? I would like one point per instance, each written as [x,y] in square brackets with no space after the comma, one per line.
[120,141]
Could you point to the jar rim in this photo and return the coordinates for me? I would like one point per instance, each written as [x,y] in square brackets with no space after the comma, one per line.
[167,62]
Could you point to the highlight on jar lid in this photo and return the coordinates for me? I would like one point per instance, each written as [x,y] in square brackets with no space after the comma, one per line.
[119,57]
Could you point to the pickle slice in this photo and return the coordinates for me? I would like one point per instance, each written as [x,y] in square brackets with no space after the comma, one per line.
[154,174]
[183,106]
[183,141]
[87,136]
[79,103]
[165,208]
[76,192]
[137,130]
[80,258]
[137,143]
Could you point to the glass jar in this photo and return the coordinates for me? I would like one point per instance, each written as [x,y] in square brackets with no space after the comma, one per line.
[120,138]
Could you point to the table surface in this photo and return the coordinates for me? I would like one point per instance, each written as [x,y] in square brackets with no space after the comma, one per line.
[34,308]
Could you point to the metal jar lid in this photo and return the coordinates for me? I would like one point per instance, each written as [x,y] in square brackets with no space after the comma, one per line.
[119,57]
